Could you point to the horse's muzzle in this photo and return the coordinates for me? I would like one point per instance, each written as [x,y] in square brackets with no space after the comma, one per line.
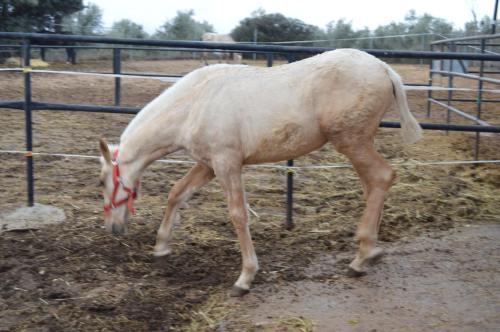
[117,229]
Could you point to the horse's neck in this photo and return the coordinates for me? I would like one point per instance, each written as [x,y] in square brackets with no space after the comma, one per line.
[149,136]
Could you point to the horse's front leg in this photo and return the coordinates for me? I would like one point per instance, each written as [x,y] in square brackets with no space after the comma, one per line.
[230,179]
[198,176]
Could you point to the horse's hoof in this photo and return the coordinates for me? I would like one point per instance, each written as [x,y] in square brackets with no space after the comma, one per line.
[375,256]
[352,273]
[238,291]
[162,252]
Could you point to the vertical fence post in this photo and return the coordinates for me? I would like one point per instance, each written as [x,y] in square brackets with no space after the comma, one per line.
[479,99]
[255,36]
[27,119]
[289,163]
[289,196]
[270,59]
[289,178]
[117,70]
[451,48]
[494,21]
[422,43]
[429,93]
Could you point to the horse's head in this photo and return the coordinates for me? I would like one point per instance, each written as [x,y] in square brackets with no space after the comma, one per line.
[118,193]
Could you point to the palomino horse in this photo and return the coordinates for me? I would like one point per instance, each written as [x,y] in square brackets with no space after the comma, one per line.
[220,38]
[229,116]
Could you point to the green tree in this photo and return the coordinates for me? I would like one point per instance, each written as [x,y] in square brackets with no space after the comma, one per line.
[127,29]
[415,33]
[342,34]
[183,27]
[36,15]
[273,28]
[476,27]
[364,38]
[392,29]
[435,28]
[85,22]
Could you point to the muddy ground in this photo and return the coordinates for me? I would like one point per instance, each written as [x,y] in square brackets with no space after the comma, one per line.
[75,276]
[456,290]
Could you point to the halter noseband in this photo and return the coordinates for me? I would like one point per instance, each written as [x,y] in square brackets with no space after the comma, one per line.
[117,181]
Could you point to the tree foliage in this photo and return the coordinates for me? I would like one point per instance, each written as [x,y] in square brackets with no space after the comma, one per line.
[183,27]
[343,35]
[476,27]
[273,28]
[85,22]
[127,29]
[414,33]
[36,15]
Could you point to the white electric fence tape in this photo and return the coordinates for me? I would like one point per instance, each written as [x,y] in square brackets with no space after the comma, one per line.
[310,167]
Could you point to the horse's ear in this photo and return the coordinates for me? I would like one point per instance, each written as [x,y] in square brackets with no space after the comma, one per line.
[103,146]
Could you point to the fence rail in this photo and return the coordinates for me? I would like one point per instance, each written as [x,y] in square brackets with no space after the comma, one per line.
[242,47]
[37,106]
[472,77]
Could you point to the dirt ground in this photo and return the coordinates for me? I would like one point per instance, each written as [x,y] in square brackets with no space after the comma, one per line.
[75,276]
[455,291]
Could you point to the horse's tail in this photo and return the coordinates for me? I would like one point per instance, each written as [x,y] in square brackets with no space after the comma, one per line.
[410,129]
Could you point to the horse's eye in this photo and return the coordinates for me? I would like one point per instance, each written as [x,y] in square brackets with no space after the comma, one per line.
[101,183]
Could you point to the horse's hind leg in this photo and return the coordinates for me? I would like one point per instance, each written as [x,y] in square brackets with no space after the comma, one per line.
[198,176]
[377,177]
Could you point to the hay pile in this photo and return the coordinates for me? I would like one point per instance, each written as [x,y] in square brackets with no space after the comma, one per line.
[17,62]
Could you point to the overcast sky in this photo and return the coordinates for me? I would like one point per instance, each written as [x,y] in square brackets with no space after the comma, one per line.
[224,15]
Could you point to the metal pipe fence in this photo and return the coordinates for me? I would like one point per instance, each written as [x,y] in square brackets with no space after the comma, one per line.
[462,71]
[291,52]
[243,47]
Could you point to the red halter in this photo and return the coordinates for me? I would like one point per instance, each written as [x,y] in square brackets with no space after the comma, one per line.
[117,181]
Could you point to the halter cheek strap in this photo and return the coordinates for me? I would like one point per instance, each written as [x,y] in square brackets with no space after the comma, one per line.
[117,182]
